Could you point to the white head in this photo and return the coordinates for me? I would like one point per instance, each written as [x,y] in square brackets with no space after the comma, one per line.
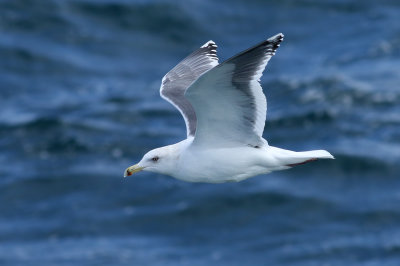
[161,160]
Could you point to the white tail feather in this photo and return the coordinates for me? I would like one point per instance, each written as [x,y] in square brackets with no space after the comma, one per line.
[289,158]
[317,154]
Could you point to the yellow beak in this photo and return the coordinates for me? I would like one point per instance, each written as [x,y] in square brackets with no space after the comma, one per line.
[132,169]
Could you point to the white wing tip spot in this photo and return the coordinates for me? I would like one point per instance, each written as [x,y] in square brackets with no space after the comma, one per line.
[278,37]
[209,43]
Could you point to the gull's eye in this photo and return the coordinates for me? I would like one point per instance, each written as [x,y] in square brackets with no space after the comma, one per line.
[155,159]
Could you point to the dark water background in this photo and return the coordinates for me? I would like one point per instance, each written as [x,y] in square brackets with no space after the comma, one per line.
[79,103]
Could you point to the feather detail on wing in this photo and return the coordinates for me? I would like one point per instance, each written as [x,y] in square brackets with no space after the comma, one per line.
[229,102]
[178,79]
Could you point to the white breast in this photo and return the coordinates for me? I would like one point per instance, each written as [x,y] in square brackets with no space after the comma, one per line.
[220,164]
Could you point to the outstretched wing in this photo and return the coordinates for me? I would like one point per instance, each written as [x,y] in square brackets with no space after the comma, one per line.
[177,80]
[229,102]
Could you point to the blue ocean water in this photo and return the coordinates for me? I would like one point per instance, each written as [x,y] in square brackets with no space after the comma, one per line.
[79,101]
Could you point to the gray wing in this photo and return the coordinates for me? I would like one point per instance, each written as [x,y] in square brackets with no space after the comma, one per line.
[177,80]
[229,102]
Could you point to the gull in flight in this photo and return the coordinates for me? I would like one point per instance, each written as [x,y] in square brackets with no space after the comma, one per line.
[224,109]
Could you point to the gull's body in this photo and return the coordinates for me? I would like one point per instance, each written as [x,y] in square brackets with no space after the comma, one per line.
[224,109]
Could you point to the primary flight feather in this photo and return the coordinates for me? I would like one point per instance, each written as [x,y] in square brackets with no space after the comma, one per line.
[224,109]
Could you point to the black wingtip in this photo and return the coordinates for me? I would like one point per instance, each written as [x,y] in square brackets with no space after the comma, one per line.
[277,38]
[273,43]
[209,44]
[211,49]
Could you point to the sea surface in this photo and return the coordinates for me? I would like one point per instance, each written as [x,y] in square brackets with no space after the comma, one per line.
[79,102]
